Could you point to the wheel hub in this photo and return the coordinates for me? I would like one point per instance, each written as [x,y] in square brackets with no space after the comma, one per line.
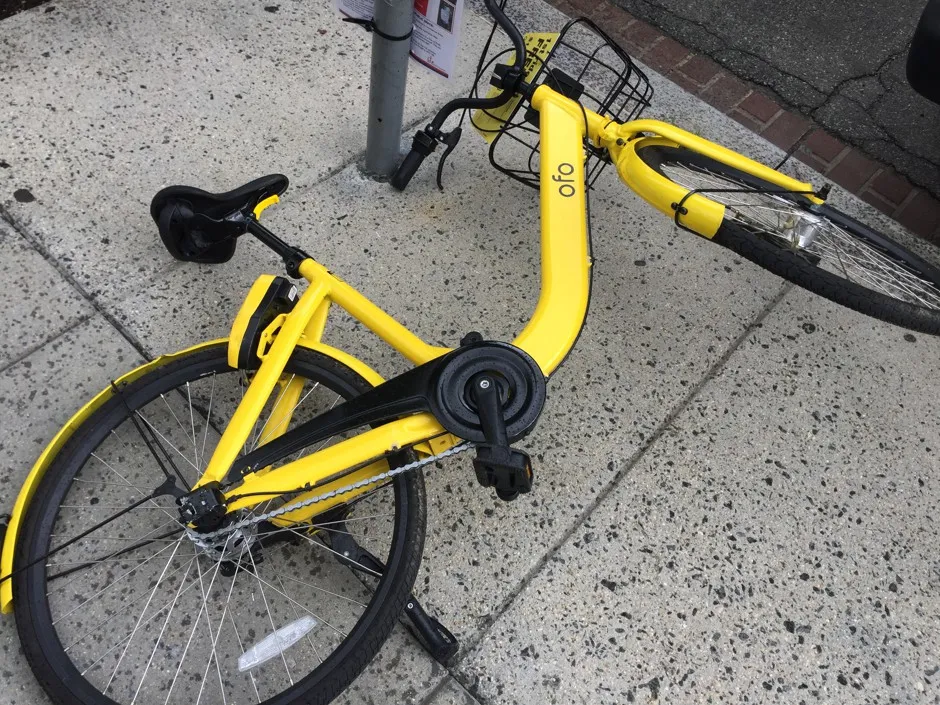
[231,546]
[802,234]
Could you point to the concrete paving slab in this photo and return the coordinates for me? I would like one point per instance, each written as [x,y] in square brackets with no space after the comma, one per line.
[450,692]
[776,543]
[38,394]
[99,120]
[36,303]
[666,308]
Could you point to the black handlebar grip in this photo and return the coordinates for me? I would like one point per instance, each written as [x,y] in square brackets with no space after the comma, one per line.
[421,146]
[407,169]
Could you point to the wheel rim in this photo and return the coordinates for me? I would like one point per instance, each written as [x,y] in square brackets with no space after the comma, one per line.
[147,616]
[815,238]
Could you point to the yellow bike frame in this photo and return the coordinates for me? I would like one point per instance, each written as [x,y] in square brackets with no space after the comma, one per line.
[550,333]
[548,337]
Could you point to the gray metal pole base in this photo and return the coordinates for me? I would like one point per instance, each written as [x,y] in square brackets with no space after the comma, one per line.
[387,87]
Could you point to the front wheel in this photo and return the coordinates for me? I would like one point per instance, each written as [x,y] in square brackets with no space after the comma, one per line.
[816,247]
[134,611]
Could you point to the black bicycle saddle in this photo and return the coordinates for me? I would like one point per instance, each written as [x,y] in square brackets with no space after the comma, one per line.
[198,226]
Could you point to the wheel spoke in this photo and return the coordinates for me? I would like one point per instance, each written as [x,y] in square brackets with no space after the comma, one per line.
[166,621]
[262,582]
[241,649]
[127,605]
[65,585]
[127,636]
[141,617]
[289,415]
[205,432]
[213,654]
[267,609]
[192,632]
[296,617]
[140,606]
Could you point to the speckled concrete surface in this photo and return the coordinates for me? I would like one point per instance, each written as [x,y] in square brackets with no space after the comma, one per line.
[633,452]
[36,303]
[777,544]
[38,394]
[108,103]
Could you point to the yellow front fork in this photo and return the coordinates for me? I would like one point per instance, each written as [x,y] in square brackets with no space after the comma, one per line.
[624,141]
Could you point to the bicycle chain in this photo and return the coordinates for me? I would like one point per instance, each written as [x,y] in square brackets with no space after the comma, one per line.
[202,539]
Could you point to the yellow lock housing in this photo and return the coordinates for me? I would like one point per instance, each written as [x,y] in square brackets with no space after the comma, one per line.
[269,297]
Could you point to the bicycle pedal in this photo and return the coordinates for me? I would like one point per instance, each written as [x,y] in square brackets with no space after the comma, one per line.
[507,470]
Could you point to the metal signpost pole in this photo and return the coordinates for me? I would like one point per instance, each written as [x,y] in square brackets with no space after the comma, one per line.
[393,18]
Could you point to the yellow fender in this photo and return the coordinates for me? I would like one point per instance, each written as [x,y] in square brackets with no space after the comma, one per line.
[48,455]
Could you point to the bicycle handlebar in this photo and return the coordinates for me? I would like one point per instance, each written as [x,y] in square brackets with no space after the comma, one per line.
[515,36]
[409,166]
[425,141]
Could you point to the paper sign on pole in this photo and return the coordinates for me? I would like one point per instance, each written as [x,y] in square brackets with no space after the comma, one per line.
[436,30]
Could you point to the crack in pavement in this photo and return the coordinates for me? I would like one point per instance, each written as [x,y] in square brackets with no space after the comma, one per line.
[791,89]
[626,467]
[725,46]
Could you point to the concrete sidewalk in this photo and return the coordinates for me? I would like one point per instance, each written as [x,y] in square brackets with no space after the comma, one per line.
[735,480]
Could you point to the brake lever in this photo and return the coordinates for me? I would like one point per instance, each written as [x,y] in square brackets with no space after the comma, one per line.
[451,140]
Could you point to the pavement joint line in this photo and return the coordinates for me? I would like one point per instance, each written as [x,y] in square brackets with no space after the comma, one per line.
[70,278]
[84,318]
[839,158]
[791,152]
[435,690]
[911,195]
[868,182]
[99,307]
[358,158]
[442,684]
[626,467]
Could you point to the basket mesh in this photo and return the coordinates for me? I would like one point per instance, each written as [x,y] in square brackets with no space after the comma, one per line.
[612,86]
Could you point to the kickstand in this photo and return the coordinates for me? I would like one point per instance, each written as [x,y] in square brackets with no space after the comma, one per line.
[436,639]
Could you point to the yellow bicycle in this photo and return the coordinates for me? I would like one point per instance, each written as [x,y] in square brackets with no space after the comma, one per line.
[243,521]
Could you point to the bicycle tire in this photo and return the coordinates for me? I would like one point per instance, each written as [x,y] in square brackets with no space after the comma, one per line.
[836,241]
[42,636]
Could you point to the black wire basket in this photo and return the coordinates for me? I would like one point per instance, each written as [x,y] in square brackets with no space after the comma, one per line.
[585,65]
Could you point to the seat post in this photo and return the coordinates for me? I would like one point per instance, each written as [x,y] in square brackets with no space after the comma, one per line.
[291,255]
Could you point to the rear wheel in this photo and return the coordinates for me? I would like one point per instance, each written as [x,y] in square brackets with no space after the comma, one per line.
[137,612]
[816,247]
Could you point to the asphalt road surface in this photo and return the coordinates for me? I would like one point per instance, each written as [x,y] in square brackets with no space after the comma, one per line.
[839,62]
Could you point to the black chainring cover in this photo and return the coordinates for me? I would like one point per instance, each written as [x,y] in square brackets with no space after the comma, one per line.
[519,378]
